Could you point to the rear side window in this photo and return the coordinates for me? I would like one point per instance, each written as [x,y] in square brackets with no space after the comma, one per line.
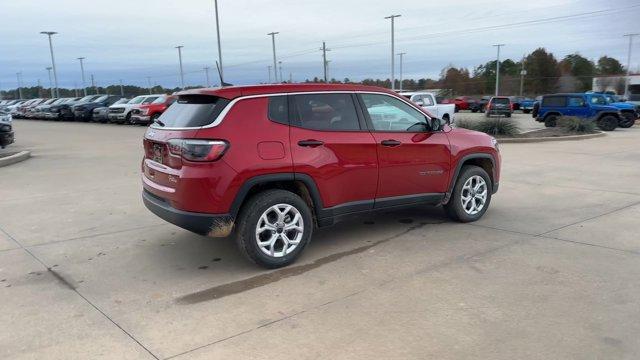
[576,101]
[329,112]
[278,109]
[193,111]
[554,101]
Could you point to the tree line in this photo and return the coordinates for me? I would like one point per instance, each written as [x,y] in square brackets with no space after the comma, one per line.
[544,74]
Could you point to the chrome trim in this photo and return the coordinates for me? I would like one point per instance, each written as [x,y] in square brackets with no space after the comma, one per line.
[229,106]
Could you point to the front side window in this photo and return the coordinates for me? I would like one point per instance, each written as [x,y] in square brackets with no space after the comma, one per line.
[137,100]
[390,114]
[149,100]
[598,100]
[328,112]
[426,100]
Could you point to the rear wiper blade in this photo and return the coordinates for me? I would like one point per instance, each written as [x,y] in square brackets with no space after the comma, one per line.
[157,121]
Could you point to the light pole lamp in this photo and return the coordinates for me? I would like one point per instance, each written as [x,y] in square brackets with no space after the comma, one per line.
[53,61]
[179,47]
[393,50]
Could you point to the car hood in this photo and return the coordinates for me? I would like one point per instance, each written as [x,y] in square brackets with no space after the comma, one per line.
[622,105]
[604,108]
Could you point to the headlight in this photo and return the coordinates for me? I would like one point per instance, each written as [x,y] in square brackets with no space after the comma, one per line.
[495,144]
[5,128]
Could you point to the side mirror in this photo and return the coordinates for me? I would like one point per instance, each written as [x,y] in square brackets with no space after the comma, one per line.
[437,124]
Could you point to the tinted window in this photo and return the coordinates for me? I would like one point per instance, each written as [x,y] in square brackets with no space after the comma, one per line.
[598,100]
[278,110]
[554,101]
[193,111]
[501,101]
[331,112]
[576,101]
[390,114]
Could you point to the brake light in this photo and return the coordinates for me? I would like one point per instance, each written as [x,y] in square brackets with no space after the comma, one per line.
[197,149]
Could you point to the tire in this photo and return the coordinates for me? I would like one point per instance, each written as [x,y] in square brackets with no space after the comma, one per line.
[508,115]
[456,108]
[526,111]
[446,118]
[474,110]
[127,119]
[260,210]
[627,120]
[607,123]
[456,208]
[550,121]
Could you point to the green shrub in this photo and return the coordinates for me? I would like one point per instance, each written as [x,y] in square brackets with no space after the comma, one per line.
[496,126]
[577,125]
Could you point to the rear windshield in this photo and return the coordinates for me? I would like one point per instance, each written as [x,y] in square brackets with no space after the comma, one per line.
[193,111]
[502,101]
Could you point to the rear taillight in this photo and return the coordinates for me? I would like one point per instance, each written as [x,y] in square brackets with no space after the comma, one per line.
[197,149]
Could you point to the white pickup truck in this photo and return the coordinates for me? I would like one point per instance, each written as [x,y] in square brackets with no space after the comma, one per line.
[427,101]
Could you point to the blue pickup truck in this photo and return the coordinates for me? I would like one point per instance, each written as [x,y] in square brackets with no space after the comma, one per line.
[627,109]
[590,107]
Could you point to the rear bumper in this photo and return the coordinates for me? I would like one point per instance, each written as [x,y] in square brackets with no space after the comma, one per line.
[214,225]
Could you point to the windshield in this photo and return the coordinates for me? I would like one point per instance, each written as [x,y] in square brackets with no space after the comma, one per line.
[501,101]
[598,100]
[193,111]
[149,100]
[86,98]
[101,98]
[50,101]
[137,100]
[60,101]
[121,101]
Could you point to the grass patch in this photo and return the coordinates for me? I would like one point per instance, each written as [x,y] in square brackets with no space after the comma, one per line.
[576,125]
[491,126]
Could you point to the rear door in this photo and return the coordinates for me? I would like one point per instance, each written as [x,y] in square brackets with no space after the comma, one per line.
[414,163]
[330,143]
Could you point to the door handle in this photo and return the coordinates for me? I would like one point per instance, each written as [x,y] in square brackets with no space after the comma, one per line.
[390,143]
[310,143]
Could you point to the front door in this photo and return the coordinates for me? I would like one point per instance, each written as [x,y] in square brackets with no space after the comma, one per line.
[414,163]
[330,143]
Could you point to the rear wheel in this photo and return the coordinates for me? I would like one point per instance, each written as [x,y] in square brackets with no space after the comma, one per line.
[608,123]
[550,121]
[471,195]
[446,118]
[273,228]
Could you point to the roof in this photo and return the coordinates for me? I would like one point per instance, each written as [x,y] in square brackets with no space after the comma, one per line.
[232,92]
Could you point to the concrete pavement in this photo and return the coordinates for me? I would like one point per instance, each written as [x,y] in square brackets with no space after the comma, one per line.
[551,271]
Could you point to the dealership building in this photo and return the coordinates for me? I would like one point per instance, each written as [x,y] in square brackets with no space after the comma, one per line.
[616,83]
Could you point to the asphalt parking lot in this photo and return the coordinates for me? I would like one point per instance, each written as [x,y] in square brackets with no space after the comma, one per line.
[551,272]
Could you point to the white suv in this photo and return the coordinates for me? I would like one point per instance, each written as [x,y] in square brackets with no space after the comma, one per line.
[121,113]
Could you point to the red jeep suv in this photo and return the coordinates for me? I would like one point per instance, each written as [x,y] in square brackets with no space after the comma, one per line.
[272,162]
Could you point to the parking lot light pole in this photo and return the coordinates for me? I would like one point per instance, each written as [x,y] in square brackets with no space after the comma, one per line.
[149,83]
[280,66]
[206,74]
[269,69]
[53,60]
[121,88]
[275,61]
[219,46]
[50,81]
[179,47]
[84,86]
[19,77]
[626,82]
[498,69]
[402,54]
[393,50]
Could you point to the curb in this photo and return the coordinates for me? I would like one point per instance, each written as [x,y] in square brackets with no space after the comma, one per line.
[555,138]
[15,158]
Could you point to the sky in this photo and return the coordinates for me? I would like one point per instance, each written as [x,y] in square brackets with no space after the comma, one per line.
[131,40]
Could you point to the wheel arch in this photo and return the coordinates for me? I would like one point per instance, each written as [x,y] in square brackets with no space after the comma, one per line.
[300,184]
[484,160]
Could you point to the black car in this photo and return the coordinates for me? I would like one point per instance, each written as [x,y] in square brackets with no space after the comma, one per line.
[6,130]
[84,111]
[65,112]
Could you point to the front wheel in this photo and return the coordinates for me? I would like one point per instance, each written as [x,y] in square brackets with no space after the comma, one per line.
[471,195]
[550,121]
[627,120]
[274,228]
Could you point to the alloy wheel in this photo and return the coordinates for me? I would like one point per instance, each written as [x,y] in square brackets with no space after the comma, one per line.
[279,230]
[474,195]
